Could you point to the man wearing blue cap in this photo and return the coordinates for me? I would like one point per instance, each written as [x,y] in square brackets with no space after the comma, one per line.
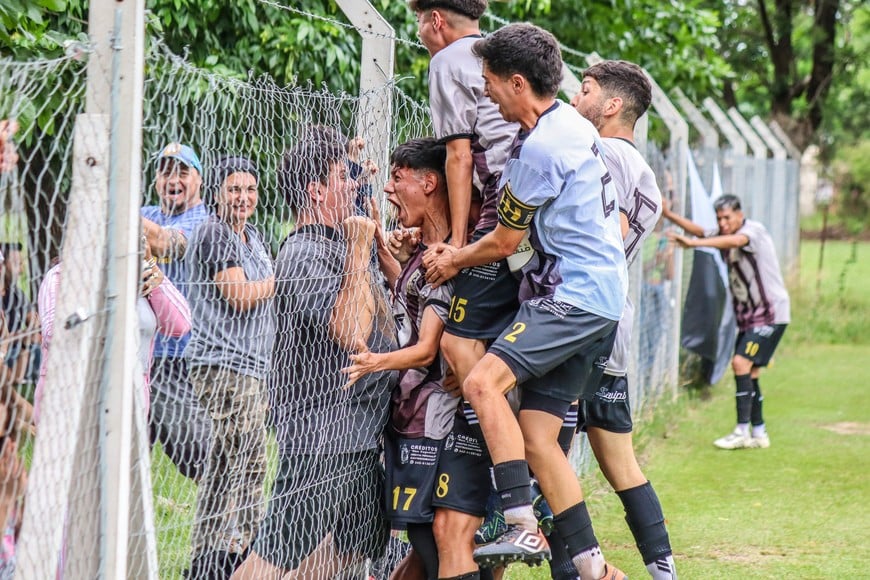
[177,419]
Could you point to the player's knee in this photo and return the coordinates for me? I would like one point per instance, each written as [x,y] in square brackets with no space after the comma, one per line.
[741,365]
[452,528]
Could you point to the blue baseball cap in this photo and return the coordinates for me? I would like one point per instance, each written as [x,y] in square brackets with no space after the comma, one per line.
[182,153]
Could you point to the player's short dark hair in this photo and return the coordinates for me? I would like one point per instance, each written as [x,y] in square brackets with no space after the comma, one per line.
[727,201]
[309,160]
[473,9]
[625,80]
[526,50]
[427,154]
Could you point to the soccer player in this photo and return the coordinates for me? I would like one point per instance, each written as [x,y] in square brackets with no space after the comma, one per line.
[761,307]
[557,345]
[613,95]
[422,409]
[478,141]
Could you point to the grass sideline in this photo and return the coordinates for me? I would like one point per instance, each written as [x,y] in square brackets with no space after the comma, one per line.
[798,509]
[798,499]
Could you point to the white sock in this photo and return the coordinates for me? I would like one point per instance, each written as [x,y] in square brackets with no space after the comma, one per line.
[663,569]
[743,429]
[522,516]
[590,562]
[759,430]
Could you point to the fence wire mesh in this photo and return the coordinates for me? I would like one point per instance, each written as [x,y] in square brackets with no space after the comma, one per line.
[234,447]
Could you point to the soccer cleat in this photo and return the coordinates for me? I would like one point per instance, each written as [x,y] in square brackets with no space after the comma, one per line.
[761,441]
[613,573]
[493,524]
[542,509]
[734,440]
[515,545]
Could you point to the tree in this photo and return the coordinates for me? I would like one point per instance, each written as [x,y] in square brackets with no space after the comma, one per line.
[787,56]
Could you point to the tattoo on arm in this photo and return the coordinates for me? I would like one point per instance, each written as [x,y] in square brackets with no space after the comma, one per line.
[177,245]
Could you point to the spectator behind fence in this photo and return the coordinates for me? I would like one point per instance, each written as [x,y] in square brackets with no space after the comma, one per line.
[160,308]
[232,283]
[8,150]
[326,511]
[177,418]
[13,480]
[761,306]
[15,344]
[22,320]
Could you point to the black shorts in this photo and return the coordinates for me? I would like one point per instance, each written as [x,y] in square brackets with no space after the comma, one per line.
[608,408]
[484,300]
[556,349]
[758,343]
[318,494]
[463,482]
[411,468]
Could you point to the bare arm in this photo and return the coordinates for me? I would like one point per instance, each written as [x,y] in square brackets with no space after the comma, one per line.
[719,242]
[443,261]
[417,355]
[352,317]
[164,242]
[459,169]
[687,225]
[388,264]
[240,293]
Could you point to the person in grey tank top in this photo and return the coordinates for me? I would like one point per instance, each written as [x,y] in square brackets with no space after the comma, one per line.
[761,306]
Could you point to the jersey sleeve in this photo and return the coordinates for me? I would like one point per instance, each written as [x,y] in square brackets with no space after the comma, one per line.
[218,249]
[452,103]
[438,299]
[525,189]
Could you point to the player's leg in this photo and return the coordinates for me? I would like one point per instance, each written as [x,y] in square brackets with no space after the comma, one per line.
[767,338]
[460,494]
[411,567]
[462,353]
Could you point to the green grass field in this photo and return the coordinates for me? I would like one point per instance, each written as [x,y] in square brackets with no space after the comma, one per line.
[798,509]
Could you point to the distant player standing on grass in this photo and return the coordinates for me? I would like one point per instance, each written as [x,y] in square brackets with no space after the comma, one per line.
[614,94]
[761,306]
[556,347]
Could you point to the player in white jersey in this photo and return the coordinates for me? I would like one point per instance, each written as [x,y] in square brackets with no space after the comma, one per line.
[557,189]
[761,306]
[613,95]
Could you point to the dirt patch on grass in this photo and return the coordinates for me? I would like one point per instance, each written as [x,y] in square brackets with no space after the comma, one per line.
[848,428]
[747,555]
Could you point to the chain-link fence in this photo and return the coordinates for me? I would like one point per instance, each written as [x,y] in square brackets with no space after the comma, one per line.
[214,443]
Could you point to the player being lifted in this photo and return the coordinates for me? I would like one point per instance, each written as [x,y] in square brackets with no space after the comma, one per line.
[478,141]
[557,345]
[614,94]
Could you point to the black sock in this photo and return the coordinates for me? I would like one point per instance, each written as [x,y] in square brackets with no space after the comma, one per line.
[512,483]
[756,416]
[643,513]
[744,397]
[575,527]
[423,541]
[561,565]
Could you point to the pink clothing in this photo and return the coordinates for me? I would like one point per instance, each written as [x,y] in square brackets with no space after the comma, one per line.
[169,307]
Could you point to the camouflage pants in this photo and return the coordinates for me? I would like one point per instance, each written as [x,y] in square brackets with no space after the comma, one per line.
[230,500]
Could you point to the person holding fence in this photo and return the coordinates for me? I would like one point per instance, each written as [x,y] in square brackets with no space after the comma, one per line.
[558,343]
[326,514]
[613,95]
[177,420]
[761,307]
[231,286]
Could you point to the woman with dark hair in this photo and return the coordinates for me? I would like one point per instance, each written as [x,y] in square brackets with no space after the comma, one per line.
[232,282]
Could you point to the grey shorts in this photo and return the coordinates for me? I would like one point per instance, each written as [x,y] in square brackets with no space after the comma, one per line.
[555,349]
[319,494]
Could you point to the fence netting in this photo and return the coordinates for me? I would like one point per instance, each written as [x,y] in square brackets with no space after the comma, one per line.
[253,441]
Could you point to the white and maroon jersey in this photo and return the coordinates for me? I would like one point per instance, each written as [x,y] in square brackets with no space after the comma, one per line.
[460,110]
[420,405]
[757,289]
[640,200]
